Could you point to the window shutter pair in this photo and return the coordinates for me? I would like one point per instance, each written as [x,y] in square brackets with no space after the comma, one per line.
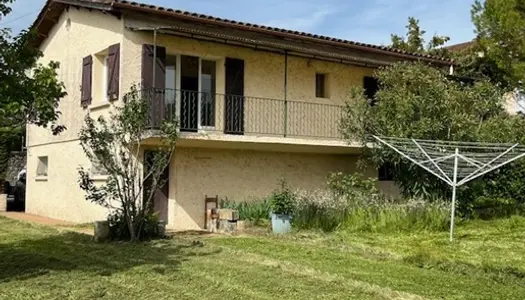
[113,76]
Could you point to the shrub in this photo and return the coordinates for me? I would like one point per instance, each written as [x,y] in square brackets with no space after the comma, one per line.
[351,184]
[282,200]
[118,228]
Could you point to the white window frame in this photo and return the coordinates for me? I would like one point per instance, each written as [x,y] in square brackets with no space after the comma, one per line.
[105,77]
[43,165]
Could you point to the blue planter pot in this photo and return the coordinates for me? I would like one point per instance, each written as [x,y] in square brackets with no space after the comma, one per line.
[281,224]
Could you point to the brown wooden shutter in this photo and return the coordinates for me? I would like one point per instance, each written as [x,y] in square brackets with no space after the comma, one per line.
[87,71]
[147,67]
[113,71]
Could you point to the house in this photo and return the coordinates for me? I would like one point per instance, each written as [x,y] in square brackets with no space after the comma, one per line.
[514,100]
[255,103]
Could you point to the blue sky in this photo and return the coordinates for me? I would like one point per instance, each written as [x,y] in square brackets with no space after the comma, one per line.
[368,21]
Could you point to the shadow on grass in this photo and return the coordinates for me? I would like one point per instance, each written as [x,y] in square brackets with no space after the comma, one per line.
[31,257]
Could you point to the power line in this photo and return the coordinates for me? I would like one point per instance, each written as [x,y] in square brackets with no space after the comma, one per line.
[18,18]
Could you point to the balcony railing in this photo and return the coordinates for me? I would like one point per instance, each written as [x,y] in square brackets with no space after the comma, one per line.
[239,115]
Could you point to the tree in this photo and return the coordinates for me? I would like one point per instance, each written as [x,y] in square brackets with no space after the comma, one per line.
[116,145]
[415,41]
[421,102]
[499,27]
[29,91]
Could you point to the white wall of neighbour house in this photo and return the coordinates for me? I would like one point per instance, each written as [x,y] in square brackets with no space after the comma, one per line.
[78,33]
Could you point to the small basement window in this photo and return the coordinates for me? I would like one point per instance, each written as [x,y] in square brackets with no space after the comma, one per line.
[385,172]
[97,169]
[321,90]
[42,165]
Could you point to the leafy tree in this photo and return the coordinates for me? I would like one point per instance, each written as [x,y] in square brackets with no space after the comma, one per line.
[29,91]
[499,27]
[415,41]
[418,101]
[116,144]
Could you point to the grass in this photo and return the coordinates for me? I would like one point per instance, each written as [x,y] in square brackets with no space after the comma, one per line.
[487,261]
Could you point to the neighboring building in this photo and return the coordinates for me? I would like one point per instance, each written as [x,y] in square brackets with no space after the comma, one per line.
[255,103]
[514,101]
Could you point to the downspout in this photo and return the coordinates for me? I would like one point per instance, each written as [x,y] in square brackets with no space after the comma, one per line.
[285,91]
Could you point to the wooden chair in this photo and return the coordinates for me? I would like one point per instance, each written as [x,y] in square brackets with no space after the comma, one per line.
[211,204]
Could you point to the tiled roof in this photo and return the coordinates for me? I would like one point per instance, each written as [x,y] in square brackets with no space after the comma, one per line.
[461,46]
[268,29]
[131,5]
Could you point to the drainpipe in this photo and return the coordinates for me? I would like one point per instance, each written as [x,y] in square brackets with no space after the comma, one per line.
[285,90]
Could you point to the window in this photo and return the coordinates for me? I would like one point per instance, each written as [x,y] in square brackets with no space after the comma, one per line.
[101,77]
[371,86]
[105,75]
[41,169]
[320,85]
[385,172]
[97,169]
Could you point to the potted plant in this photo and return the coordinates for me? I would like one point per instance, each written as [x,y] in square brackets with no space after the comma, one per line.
[282,203]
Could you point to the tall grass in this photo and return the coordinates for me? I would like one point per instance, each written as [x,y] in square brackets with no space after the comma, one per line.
[256,210]
[352,202]
[328,211]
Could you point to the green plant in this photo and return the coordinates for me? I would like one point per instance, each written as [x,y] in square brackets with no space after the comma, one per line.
[418,101]
[256,210]
[351,184]
[118,227]
[282,200]
[116,144]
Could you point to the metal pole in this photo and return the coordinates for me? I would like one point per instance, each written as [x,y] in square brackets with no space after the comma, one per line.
[454,185]
[285,113]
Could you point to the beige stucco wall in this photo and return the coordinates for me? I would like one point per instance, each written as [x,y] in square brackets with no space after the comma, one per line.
[78,33]
[58,195]
[242,175]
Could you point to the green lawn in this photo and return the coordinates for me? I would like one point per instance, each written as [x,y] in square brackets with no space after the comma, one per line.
[486,262]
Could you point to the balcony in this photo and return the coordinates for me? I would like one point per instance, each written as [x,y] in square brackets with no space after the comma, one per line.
[244,118]
[243,115]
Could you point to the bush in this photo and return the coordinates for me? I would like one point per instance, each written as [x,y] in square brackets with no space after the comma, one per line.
[282,200]
[118,229]
[486,207]
[255,211]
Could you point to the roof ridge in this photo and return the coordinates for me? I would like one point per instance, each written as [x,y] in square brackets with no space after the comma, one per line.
[199,16]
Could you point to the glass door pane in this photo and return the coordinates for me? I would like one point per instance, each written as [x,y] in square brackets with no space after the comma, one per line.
[170,93]
[207,95]
[189,85]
